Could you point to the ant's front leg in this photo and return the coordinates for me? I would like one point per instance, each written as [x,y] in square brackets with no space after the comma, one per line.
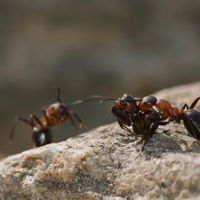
[156,119]
[71,117]
[46,118]
[122,118]
[81,124]
[73,124]
[36,119]
[23,120]
[152,122]
[194,102]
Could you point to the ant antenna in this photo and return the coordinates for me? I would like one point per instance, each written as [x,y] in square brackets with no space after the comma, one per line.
[85,100]
[109,99]
[58,95]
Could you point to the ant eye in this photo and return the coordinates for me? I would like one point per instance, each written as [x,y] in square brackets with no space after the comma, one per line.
[145,101]
[123,103]
[127,98]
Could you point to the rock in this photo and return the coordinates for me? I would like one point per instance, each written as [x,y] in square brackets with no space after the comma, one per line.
[181,94]
[104,164]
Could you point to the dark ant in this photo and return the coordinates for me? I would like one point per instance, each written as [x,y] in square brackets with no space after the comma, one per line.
[54,115]
[123,109]
[191,118]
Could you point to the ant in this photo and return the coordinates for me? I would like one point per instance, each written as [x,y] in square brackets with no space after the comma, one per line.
[53,115]
[189,115]
[122,110]
[145,115]
[191,118]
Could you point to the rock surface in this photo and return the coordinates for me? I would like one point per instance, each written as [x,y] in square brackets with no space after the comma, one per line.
[104,164]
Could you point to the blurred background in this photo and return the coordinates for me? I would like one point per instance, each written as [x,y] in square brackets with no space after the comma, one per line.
[90,47]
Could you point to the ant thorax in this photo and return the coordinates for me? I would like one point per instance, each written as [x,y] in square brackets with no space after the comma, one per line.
[59,111]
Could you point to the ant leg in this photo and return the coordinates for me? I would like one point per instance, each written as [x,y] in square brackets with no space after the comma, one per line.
[73,124]
[81,124]
[23,119]
[194,102]
[156,119]
[152,122]
[121,116]
[37,120]
[13,127]
[124,127]
[122,119]
[182,110]
[145,138]
[72,121]
[46,117]
[149,133]
[185,106]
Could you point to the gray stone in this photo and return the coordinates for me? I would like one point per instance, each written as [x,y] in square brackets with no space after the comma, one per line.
[104,164]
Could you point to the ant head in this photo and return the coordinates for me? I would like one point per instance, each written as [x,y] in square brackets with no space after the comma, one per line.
[58,110]
[147,103]
[149,100]
[127,98]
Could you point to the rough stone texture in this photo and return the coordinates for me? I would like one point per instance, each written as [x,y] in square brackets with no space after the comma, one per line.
[104,164]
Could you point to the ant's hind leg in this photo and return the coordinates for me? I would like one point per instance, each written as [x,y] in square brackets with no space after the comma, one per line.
[194,102]
[13,126]
[185,106]
[23,120]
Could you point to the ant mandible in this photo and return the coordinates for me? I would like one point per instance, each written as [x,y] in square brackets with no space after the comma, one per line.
[53,115]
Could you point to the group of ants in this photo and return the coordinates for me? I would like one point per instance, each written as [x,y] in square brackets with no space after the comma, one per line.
[139,116]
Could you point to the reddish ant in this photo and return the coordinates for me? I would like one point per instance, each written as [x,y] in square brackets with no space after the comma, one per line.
[54,115]
[122,110]
[141,114]
[189,115]
[146,114]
